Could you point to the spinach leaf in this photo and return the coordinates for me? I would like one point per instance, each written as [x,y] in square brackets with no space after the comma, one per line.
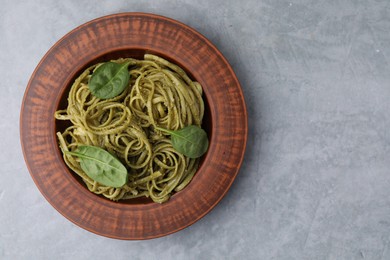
[190,141]
[101,166]
[109,80]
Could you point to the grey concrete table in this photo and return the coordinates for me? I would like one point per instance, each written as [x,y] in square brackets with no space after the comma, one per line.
[315,183]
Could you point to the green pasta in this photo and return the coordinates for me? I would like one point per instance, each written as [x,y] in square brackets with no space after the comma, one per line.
[159,94]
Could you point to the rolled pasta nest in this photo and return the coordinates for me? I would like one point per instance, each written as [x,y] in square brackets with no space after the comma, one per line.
[159,94]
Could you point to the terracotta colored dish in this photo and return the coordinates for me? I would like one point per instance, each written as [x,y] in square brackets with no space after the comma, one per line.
[132,35]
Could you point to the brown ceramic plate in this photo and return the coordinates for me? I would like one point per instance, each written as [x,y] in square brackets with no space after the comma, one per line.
[132,35]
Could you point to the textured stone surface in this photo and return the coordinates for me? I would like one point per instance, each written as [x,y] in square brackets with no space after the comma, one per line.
[315,183]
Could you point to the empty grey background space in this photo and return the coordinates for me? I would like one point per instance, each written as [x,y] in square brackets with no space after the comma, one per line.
[315,182]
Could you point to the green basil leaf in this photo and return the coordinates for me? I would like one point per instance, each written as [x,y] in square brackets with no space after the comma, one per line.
[101,166]
[190,141]
[109,80]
